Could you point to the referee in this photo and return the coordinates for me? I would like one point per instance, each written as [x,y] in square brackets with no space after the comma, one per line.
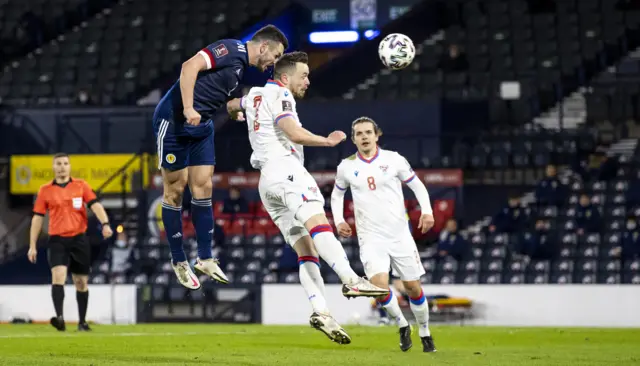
[65,198]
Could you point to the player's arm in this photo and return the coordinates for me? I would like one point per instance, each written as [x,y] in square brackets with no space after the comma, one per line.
[337,203]
[188,76]
[408,177]
[214,56]
[235,108]
[39,210]
[283,112]
[302,136]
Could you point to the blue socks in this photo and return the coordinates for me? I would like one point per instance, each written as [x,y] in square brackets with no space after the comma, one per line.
[172,221]
[202,217]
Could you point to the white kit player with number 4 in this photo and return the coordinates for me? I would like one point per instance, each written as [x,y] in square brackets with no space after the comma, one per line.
[375,177]
[290,194]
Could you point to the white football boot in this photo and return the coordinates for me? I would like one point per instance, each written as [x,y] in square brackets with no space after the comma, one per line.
[185,275]
[329,326]
[363,288]
[211,268]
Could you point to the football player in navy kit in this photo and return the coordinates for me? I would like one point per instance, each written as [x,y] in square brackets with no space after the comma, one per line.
[183,127]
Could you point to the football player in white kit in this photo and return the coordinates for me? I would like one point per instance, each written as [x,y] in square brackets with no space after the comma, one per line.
[375,177]
[290,194]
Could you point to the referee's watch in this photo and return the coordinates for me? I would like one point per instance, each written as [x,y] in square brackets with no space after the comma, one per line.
[105,224]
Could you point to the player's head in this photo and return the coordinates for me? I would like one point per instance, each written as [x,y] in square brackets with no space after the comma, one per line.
[61,165]
[268,45]
[365,133]
[292,71]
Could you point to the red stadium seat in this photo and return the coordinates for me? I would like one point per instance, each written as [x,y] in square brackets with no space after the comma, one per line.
[238,226]
[410,205]
[348,208]
[188,231]
[352,222]
[260,211]
[266,226]
[224,223]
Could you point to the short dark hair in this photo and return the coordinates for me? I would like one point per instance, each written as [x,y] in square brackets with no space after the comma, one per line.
[271,33]
[60,155]
[289,61]
[364,119]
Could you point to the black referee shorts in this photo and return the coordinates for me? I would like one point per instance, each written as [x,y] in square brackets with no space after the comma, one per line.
[73,252]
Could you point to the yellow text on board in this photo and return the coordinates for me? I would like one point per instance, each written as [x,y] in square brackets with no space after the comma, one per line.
[29,172]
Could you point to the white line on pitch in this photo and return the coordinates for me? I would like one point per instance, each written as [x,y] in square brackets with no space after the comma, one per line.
[137,334]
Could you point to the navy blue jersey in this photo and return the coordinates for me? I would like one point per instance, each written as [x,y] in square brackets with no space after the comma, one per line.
[226,61]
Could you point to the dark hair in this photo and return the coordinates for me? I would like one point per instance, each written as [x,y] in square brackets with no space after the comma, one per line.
[271,33]
[289,61]
[60,155]
[363,119]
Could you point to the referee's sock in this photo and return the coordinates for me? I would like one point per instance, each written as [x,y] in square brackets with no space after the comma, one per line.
[57,294]
[202,216]
[172,221]
[83,300]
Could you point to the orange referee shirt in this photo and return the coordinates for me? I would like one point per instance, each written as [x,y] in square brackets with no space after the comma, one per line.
[65,203]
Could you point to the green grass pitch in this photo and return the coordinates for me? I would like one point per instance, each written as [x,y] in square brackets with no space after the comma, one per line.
[216,344]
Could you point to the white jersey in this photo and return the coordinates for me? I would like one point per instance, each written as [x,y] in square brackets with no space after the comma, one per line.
[264,107]
[376,188]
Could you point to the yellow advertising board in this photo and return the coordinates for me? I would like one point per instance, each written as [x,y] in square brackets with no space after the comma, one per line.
[29,172]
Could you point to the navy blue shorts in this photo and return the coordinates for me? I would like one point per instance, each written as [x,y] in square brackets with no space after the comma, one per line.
[180,146]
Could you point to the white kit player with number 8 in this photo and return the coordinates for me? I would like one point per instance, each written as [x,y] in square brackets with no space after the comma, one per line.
[375,177]
[290,194]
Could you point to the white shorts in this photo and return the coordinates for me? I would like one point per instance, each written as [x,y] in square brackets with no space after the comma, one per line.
[401,257]
[291,196]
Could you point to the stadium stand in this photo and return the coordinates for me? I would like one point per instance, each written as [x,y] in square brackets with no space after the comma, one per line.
[26,25]
[574,50]
[125,50]
[550,53]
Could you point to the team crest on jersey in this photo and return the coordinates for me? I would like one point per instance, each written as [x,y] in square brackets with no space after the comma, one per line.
[286,106]
[221,50]
[384,168]
[314,190]
[355,173]
[170,158]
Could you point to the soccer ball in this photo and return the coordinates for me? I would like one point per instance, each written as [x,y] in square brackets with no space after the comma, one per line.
[396,51]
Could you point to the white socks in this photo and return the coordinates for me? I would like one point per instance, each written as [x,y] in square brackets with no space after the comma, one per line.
[331,250]
[390,304]
[420,308]
[312,282]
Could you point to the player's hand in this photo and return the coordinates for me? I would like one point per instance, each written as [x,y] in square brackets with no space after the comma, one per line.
[344,230]
[336,137]
[193,117]
[234,110]
[32,255]
[239,116]
[107,232]
[425,223]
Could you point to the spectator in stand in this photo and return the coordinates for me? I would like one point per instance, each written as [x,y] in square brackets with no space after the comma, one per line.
[533,244]
[453,244]
[454,60]
[599,166]
[511,219]
[630,248]
[235,203]
[550,191]
[120,254]
[588,219]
